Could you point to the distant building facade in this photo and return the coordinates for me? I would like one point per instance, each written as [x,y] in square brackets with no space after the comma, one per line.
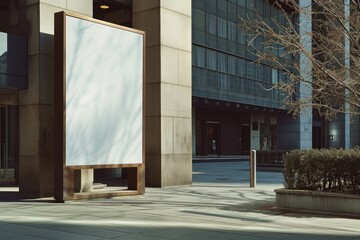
[233,111]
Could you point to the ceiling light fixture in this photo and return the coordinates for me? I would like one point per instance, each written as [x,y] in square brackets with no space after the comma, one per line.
[104,6]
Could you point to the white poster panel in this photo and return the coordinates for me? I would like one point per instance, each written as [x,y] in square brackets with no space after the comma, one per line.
[104,94]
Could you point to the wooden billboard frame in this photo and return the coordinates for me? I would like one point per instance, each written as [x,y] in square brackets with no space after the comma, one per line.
[64,175]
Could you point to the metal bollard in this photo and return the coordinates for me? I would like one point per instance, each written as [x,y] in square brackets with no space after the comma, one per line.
[253,168]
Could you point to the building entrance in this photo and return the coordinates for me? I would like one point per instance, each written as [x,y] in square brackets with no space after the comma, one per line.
[245,139]
[213,138]
[8,146]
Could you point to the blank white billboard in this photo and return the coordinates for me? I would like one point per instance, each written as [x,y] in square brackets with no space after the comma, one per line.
[104,94]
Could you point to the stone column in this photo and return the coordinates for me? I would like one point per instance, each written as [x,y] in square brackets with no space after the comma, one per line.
[305,28]
[347,122]
[36,130]
[168,89]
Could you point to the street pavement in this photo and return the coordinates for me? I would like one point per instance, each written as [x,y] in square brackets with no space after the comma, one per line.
[218,205]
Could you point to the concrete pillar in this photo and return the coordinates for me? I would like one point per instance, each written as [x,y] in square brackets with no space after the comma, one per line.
[193,132]
[36,143]
[305,92]
[168,89]
[347,141]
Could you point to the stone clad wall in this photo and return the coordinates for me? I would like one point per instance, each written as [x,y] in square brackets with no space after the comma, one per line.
[167,24]
[36,141]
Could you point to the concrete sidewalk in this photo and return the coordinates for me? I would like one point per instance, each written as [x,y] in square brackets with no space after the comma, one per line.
[219,205]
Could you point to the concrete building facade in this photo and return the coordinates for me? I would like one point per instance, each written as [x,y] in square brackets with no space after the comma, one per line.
[27,108]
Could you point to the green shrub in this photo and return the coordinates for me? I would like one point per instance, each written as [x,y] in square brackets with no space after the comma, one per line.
[328,170]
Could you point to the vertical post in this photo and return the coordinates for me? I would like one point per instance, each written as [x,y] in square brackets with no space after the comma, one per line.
[347,73]
[253,168]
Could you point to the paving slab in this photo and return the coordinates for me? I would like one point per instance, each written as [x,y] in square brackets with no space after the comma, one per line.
[218,205]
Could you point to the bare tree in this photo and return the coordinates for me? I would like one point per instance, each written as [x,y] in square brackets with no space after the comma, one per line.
[333,71]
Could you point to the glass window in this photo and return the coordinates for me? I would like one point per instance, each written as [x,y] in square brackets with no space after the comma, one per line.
[268,92]
[211,23]
[266,10]
[267,136]
[260,89]
[232,15]
[241,50]
[274,12]
[3,52]
[222,43]
[250,54]
[241,37]
[198,37]
[258,6]
[250,4]
[250,15]
[251,70]
[259,72]
[199,19]
[233,84]
[222,62]
[282,18]
[212,80]
[276,49]
[252,87]
[199,3]
[223,81]
[199,77]
[242,12]
[231,31]
[199,56]
[211,40]
[13,61]
[232,47]
[267,74]
[250,40]
[281,50]
[222,27]
[274,76]
[211,5]
[242,86]
[259,43]
[242,3]
[245,85]
[231,64]
[222,6]
[211,59]
[283,76]
[241,67]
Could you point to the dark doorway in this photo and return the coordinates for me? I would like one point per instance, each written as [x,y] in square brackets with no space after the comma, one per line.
[213,138]
[8,145]
[245,139]
[316,137]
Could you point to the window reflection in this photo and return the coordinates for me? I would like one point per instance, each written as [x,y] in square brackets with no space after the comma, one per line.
[13,61]
[223,53]
[3,52]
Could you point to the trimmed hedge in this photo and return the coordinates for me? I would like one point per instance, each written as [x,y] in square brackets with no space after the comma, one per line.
[328,170]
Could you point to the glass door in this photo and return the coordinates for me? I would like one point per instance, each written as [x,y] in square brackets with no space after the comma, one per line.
[8,126]
[213,138]
[245,139]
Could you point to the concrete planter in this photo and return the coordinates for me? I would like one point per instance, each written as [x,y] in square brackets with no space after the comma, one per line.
[318,201]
